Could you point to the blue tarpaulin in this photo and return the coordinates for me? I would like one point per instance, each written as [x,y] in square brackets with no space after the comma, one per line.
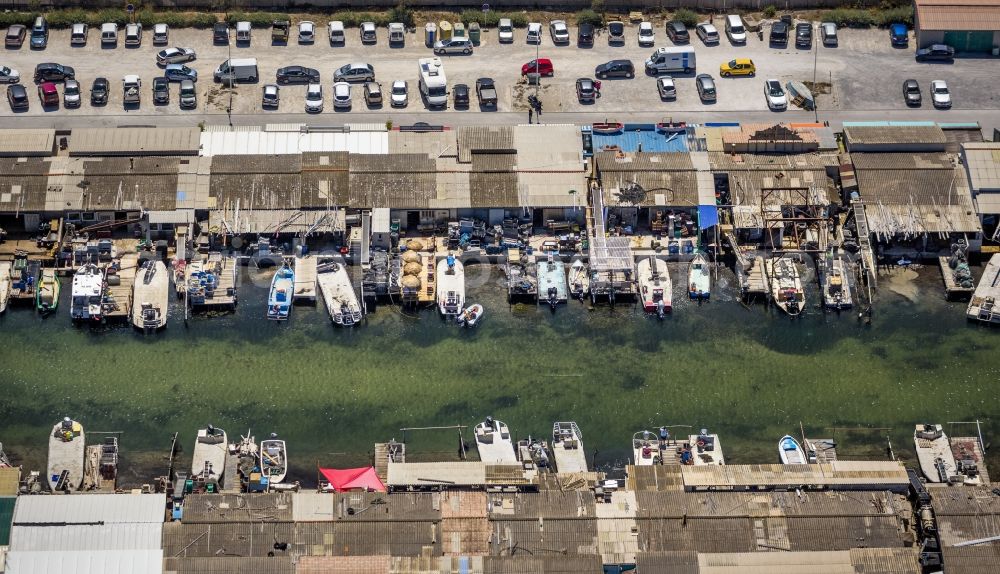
[708,215]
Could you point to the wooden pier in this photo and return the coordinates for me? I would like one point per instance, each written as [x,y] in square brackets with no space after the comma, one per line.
[953,289]
[223,295]
[305,279]
[118,298]
[753,279]
[969,448]
[820,450]
[428,279]
[386,452]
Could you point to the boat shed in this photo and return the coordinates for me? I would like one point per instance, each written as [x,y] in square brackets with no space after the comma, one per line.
[838,475]
[968,522]
[667,179]
[966,25]
[894,137]
[87,534]
[875,560]
[27,143]
[982,167]
[134,142]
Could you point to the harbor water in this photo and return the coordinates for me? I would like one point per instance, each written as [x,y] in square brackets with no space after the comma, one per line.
[750,374]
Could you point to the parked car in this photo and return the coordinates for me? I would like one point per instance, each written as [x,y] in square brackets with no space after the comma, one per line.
[534,33]
[666,88]
[280,30]
[461,94]
[71,94]
[180,72]
[109,34]
[541,66]
[616,32]
[899,35]
[78,34]
[559,32]
[936,52]
[735,29]
[647,37]
[48,94]
[133,35]
[399,94]
[775,95]
[307,32]
[486,92]
[335,30]
[585,34]
[188,96]
[615,69]
[15,36]
[586,90]
[99,91]
[453,46]
[803,35]
[940,94]
[342,95]
[270,96]
[373,94]
[9,75]
[706,88]
[368,34]
[244,33]
[779,34]
[161,34]
[175,56]
[678,32]
[297,75]
[708,33]
[828,33]
[911,93]
[161,91]
[40,34]
[355,72]
[220,33]
[314,97]
[505,30]
[17,97]
[738,67]
[51,72]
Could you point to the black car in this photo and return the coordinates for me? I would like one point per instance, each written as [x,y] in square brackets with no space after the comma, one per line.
[461,92]
[779,33]
[678,32]
[911,92]
[220,33]
[99,92]
[586,91]
[161,90]
[17,97]
[803,34]
[298,74]
[615,69]
[937,52]
[585,35]
[49,72]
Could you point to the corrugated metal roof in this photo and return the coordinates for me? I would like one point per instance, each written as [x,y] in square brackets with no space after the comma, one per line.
[613,162]
[6,516]
[465,536]
[312,506]
[130,192]
[557,536]
[651,504]
[902,161]
[473,139]
[292,142]
[493,189]
[257,191]
[24,166]
[463,504]
[30,142]
[881,135]
[431,144]
[547,564]
[654,478]
[86,561]
[392,163]
[748,161]
[96,537]
[913,186]
[663,189]
[957,136]
[107,508]
[229,565]
[883,474]
[886,560]
[393,538]
[377,506]
[24,184]
[239,539]
[958,15]
[135,141]
[972,501]
[547,504]
[133,166]
[343,565]
[9,479]
[263,164]
[230,508]
[972,559]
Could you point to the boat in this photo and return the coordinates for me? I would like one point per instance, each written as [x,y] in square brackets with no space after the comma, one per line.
[607,128]
[338,294]
[471,315]
[23,277]
[66,456]
[579,279]
[800,95]
[937,461]
[699,278]
[836,286]
[671,127]
[208,465]
[983,305]
[703,449]
[645,448]
[87,294]
[279,300]
[47,293]
[150,296]
[552,280]
[654,285]
[451,287]
[494,442]
[790,452]
[274,459]
[534,454]
[522,278]
[567,447]
[4,285]
[786,285]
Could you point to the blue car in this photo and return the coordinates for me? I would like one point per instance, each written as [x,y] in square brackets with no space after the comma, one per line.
[179,73]
[898,34]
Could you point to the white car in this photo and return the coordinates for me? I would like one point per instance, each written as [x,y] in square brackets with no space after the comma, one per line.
[307,32]
[708,33]
[175,56]
[940,94]
[342,95]
[775,95]
[399,94]
[559,32]
[666,88]
[314,98]
[71,94]
[646,35]
[534,33]
[505,29]
[9,75]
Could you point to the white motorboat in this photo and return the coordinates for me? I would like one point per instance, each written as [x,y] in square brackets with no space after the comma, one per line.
[279,299]
[87,294]
[150,296]
[5,284]
[699,278]
[786,285]
[66,456]
[494,442]
[934,453]
[654,285]
[471,315]
[706,449]
[552,280]
[274,459]
[451,287]
[790,452]
[836,287]
[646,448]
[579,279]
[338,294]
[567,448]
[208,464]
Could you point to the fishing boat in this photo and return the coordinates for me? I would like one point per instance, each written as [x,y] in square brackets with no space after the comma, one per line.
[699,278]
[4,285]
[279,300]
[87,294]
[208,464]
[800,95]
[47,293]
[274,459]
[786,285]
[703,449]
[579,279]
[567,447]
[654,285]
[471,315]
[645,448]
[66,456]
[522,278]
[338,294]
[790,452]
[937,461]
[552,280]
[534,454]
[150,296]
[494,442]
[836,287]
[451,287]
[671,127]
[608,128]
[24,274]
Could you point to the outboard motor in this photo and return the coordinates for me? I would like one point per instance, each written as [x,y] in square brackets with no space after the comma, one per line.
[553,297]
[660,309]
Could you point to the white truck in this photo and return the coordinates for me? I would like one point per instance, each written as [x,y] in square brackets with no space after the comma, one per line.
[433,83]
[671,59]
[131,90]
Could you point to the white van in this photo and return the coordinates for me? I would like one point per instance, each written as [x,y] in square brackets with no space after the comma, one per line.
[78,34]
[133,35]
[237,70]
[735,30]
[243,32]
[161,34]
[336,30]
[109,33]
[534,33]
[671,59]
[396,30]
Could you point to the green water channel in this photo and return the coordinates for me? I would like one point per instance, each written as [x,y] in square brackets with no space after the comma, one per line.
[749,374]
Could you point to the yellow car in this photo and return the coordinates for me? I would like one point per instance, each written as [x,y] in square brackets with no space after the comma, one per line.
[738,67]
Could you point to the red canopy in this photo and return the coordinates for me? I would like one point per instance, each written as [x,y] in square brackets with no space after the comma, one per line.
[353,479]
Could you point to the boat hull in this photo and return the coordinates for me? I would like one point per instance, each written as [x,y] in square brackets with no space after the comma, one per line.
[338,295]
[655,286]
[67,449]
[790,452]
[150,296]
[699,279]
[209,460]
[579,279]
[279,300]
[450,286]
[47,294]
[274,460]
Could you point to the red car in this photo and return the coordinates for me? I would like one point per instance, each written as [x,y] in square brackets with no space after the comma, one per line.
[544,67]
[48,94]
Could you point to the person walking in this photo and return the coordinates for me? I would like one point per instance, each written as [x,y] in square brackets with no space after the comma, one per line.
[530,114]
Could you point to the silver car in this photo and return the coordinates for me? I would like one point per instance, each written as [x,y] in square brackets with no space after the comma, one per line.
[71,94]
[342,95]
[666,88]
[9,75]
[453,46]
[175,56]
[180,72]
[399,94]
[314,98]
[271,96]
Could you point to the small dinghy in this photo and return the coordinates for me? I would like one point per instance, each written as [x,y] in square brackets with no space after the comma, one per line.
[471,315]
[579,279]
[790,451]
[699,279]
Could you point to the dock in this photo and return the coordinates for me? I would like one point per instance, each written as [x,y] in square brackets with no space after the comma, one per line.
[118,298]
[753,279]
[983,305]
[952,288]
[428,279]
[305,279]
[968,448]
[385,453]
[216,287]
[820,450]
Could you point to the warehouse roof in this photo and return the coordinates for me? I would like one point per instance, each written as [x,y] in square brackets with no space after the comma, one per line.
[106,508]
[870,560]
[721,162]
[260,507]
[292,142]
[86,562]
[669,178]
[968,514]
[135,141]
[839,474]
[550,165]
[24,143]
[230,565]
[960,15]
[895,134]
[982,165]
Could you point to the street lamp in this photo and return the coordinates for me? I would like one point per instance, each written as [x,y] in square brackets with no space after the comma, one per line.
[815,44]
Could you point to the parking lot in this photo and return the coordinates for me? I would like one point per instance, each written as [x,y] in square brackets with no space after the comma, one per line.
[863,72]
